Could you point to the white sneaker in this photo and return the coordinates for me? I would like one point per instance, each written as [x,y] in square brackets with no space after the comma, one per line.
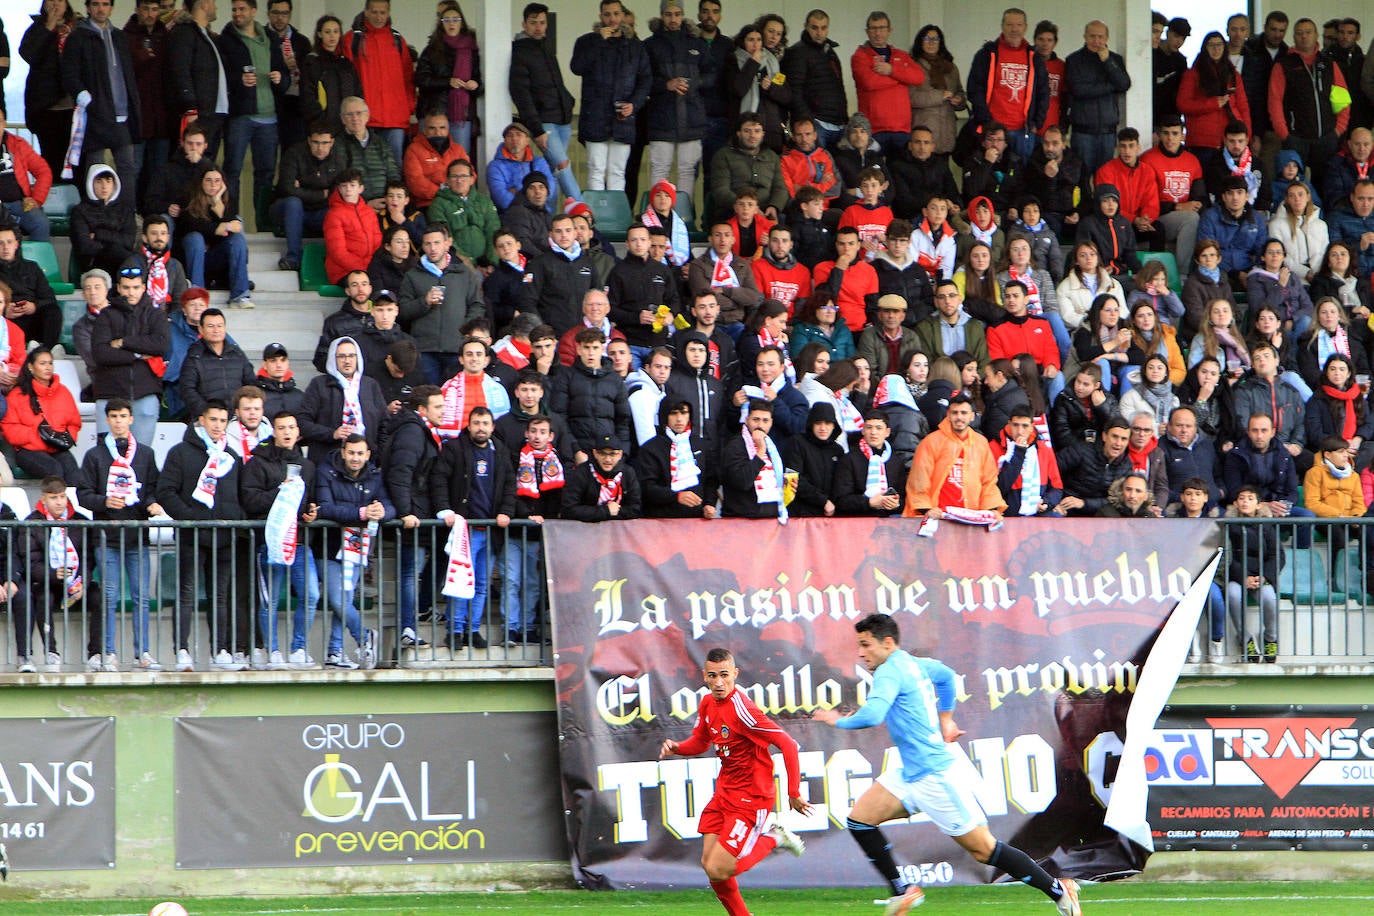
[110,664]
[223,661]
[146,662]
[1217,655]
[340,661]
[898,906]
[301,660]
[241,302]
[258,659]
[276,661]
[787,839]
[54,664]
[26,665]
[93,663]
[1068,904]
[240,660]
[367,652]
[184,661]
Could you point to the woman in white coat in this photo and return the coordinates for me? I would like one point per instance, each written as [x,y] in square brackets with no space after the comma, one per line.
[1298,224]
[1084,282]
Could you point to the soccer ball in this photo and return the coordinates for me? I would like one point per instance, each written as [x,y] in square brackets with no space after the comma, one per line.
[168,909]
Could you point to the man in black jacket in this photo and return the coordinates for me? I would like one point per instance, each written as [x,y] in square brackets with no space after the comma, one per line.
[118,480]
[605,488]
[814,72]
[639,287]
[33,305]
[308,173]
[198,85]
[277,382]
[165,276]
[918,175]
[693,381]
[169,188]
[590,396]
[1088,469]
[352,319]
[543,103]
[871,479]
[129,338]
[410,454]
[751,472]
[14,596]
[1096,78]
[215,367]
[678,474]
[341,403]
[98,68]
[200,482]
[563,275]
[526,404]
[474,478]
[273,461]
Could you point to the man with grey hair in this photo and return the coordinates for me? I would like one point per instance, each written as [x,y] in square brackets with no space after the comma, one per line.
[367,151]
[1097,77]
[95,289]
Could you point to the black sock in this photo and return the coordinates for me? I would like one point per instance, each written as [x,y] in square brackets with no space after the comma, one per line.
[879,852]
[1023,868]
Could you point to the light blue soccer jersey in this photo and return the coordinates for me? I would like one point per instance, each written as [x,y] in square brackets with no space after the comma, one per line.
[909,692]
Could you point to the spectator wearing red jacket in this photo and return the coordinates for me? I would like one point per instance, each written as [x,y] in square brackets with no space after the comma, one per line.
[809,163]
[38,384]
[882,75]
[849,278]
[386,69]
[1024,333]
[352,234]
[32,181]
[1136,183]
[1211,95]
[428,157]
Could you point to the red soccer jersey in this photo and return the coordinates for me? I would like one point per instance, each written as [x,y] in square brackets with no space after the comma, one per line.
[742,735]
[1174,175]
[786,286]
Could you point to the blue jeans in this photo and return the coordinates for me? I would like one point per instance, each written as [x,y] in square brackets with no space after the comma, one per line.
[146,411]
[413,559]
[559,136]
[460,132]
[1061,335]
[827,135]
[1053,386]
[467,612]
[290,212]
[1094,149]
[261,135]
[340,597]
[1022,143]
[1297,381]
[303,579]
[34,223]
[395,138]
[132,560]
[439,367]
[523,586]
[229,255]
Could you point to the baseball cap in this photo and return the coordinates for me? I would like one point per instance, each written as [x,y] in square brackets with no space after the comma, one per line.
[273,350]
[606,443]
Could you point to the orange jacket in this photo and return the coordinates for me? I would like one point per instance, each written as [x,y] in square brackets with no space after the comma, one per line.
[816,168]
[20,425]
[426,169]
[931,465]
[352,236]
[1322,493]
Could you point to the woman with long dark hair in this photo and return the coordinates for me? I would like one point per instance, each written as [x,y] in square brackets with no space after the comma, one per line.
[448,74]
[39,396]
[1338,408]
[1211,400]
[327,76]
[934,102]
[210,233]
[47,108]
[751,85]
[1211,95]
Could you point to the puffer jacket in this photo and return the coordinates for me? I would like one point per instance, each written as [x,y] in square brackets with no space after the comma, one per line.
[594,403]
[612,70]
[506,176]
[386,69]
[341,497]
[351,236]
[536,84]
[817,78]
[672,54]
[103,233]
[699,388]
[410,455]
[471,220]
[208,376]
[302,175]
[1096,84]
[1087,473]
[55,404]
[375,161]
[261,477]
[123,371]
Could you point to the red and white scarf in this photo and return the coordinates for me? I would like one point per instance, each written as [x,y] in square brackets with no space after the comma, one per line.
[283,521]
[159,291]
[722,274]
[456,407]
[219,460]
[121,482]
[355,551]
[768,483]
[243,440]
[538,472]
[512,353]
[1033,304]
[434,432]
[612,489]
[62,553]
[1242,165]
[460,581]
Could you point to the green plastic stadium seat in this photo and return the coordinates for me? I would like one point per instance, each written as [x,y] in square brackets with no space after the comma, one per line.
[330,291]
[1349,574]
[312,267]
[72,310]
[58,207]
[1170,264]
[45,256]
[1306,578]
[612,212]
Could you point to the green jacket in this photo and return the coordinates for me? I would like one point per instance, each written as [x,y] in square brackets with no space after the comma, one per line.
[374,161]
[932,341]
[472,222]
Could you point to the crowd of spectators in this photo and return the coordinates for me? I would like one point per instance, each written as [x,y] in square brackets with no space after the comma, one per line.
[952,299]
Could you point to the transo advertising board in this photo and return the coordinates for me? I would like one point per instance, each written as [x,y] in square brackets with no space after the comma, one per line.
[57,793]
[367,790]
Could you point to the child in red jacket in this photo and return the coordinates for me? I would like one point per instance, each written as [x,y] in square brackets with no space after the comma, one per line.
[352,233]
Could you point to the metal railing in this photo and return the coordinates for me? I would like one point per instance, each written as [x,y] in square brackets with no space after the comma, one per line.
[208,590]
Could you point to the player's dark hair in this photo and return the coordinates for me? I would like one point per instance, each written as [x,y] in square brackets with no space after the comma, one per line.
[880,627]
[718,654]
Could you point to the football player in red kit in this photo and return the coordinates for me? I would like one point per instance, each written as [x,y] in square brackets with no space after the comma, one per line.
[734,825]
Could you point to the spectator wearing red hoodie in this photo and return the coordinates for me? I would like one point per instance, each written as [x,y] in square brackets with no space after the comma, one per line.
[1136,184]
[1008,83]
[882,77]
[352,234]
[386,68]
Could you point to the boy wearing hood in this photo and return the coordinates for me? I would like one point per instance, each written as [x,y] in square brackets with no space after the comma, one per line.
[694,381]
[351,492]
[103,230]
[1111,232]
[677,469]
[983,227]
[1288,168]
[813,456]
[341,403]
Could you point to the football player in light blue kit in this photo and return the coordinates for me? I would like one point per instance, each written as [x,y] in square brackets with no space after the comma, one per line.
[915,697]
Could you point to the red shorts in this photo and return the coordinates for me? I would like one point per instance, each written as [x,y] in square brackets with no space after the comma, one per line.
[737,824]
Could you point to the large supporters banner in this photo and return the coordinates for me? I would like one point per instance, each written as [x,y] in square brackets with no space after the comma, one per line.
[1256,777]
[365,790]
[57,793]
[1048,623]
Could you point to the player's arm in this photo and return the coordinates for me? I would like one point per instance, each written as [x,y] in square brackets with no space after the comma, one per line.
[694,745]
[880,698]
[942,676]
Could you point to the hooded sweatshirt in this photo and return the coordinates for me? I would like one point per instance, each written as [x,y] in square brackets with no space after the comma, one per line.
[103,233]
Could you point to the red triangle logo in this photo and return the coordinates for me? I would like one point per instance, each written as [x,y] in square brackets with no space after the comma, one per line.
[1276,748]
